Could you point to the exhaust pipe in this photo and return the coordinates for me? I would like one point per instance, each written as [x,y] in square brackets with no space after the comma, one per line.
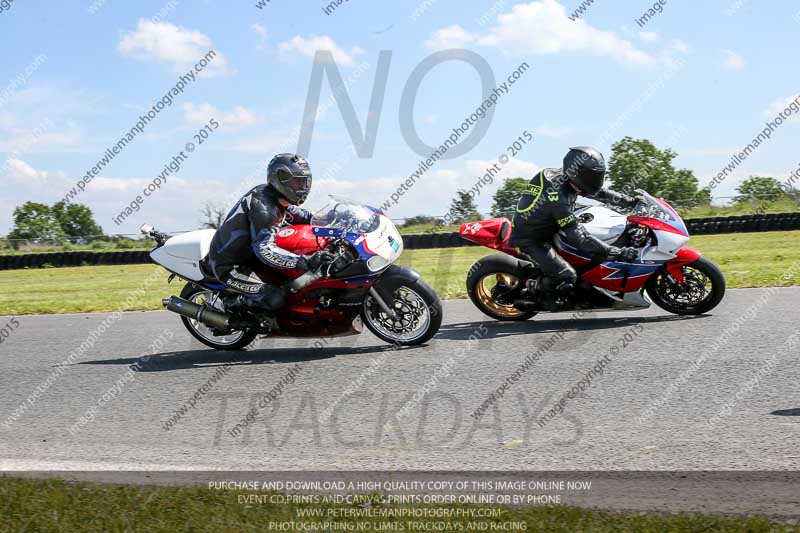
[197,312]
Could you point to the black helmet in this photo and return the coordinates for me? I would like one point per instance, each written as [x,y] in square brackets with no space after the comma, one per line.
[586,169]
[290,176]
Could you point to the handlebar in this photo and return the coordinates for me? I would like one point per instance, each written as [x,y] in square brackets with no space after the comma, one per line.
[158,236]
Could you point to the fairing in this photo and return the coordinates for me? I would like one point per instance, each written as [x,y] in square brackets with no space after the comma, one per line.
[182,254]
[667,249]
[493,233]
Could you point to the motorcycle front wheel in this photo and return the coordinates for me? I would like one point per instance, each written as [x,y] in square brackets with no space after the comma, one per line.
[418,313]
[702,289]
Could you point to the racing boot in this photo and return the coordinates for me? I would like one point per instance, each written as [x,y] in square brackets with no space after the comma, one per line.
[556,298]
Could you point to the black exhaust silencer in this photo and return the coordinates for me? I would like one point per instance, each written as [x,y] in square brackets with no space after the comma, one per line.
[197,312]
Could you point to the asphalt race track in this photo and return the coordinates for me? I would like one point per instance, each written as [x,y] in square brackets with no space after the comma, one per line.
[336,406]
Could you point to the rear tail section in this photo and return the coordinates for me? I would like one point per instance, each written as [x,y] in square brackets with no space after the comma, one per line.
[493,233]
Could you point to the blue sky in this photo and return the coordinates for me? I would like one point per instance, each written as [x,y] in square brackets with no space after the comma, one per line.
[76,76]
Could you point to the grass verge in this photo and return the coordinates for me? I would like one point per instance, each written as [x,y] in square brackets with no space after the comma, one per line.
[53,505]
[747,259]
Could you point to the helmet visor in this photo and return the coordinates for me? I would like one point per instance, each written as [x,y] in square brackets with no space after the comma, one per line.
[590,181]
[297,183]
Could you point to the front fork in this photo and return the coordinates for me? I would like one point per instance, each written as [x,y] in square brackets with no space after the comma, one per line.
[684,257]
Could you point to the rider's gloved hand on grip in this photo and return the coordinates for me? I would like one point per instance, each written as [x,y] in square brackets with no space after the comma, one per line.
[626,255]
[318,261]
[637,200]
[630,202]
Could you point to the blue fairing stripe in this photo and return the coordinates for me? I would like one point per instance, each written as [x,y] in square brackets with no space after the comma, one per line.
[632,269]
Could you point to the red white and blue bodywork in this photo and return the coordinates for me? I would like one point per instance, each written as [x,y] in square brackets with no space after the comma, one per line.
[373,236]
[663,247]
[666,249]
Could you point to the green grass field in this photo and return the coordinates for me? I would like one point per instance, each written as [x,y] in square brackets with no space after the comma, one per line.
[49,505]
[747,259]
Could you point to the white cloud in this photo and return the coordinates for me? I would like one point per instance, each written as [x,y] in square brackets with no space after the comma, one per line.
[262,34]
[44,138]
[22,172]
[445,173]
[675,48]
[515,168]
[370,191]
[731,60]
[546,130]
[648,36]
[260,30]
[431,119]
[677,45]
[433,195]
[103,184]
[308,46]
[178,48]
[781,104]
[543,27]
[450,37]
[198,115]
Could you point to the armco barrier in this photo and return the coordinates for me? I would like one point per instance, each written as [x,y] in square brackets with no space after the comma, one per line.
[61,259]
[697,226]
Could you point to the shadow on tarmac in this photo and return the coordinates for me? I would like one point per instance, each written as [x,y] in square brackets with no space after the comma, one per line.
[463,330]
[209,358]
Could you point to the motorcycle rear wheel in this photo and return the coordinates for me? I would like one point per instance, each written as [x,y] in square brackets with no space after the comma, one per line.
[702,290]
[488,277]
[237,340]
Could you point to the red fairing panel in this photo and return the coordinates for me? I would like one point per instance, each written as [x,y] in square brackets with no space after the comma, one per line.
[684,256]
[297,239]
[489,233]
[300,239]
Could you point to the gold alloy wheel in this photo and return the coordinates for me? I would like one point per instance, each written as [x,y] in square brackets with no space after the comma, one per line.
[484,294]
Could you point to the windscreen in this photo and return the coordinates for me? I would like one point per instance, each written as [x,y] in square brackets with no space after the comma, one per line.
[652,208]
[346,215]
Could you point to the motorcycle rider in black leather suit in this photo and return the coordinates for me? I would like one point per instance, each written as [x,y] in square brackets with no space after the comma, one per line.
[251,227]
[547,207]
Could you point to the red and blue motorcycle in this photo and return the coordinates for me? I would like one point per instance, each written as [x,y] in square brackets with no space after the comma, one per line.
[675,277]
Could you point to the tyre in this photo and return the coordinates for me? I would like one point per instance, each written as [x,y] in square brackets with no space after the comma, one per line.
[455,240]
[489,280]
[419,315]
[237,340]
[425,241]
[702,290]
[411,242]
